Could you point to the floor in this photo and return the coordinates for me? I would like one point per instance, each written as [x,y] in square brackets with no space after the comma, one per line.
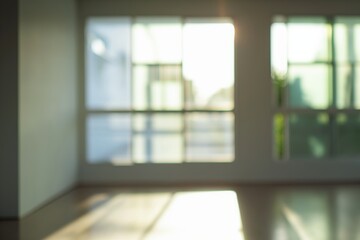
[242,213]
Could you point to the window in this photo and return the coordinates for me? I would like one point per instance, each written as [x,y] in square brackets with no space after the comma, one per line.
[316,79]
[159,90]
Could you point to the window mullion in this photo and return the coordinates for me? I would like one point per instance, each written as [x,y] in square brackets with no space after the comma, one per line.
[332,115]
[183,130]
[132,160]
[333,63]
[285,101]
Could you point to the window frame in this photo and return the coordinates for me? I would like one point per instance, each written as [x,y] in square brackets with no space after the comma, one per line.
[86,113]
[285,110]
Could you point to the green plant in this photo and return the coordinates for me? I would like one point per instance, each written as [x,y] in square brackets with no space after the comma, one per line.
[279,80]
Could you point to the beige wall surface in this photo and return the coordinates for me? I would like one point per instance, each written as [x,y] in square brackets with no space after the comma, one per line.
[48,100]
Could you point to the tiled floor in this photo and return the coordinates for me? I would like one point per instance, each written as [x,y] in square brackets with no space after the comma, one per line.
[247,212]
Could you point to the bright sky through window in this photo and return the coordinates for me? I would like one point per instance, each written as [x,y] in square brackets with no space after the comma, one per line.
[199,38]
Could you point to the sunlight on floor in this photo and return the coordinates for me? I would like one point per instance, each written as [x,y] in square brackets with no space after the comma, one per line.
[157,216]
[317,215]
[303,216]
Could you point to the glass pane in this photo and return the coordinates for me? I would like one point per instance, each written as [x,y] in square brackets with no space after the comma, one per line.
[157,40]
[109,138]
[309,136]
[279,136]
[308,40]
[209,137]
[108,63]
[279,61]
[279,48]
[208,63]
[309,86]
[347,39]
[348,86]
[158,138]
[347,135]
[158,87]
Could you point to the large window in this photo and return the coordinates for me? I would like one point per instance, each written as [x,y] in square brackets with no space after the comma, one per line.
[316,76]
[159,90]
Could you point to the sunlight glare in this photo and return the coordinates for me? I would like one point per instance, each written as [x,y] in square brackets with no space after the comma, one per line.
[98,47]
[279,48]
[208,57]
[200,215]
[209,215]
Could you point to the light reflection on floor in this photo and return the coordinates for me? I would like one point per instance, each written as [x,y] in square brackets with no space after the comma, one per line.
[317,215]
[210,215]
[267,213]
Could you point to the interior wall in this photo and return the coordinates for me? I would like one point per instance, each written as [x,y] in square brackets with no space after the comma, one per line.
[8,109]
[253,96]
[48,100]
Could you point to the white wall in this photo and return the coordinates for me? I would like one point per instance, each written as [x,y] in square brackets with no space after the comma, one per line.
[48,100]
[8,109]
[254,110]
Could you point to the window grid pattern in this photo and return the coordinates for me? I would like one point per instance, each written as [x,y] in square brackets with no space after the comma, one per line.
[160,74]
[319,121]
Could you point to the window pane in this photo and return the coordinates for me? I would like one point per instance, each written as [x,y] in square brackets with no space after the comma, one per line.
[279,48]
[209,137]
[108,63]
[279,61]
[158,87]
[303,75]
[208,63]
[347,134]
[308,40]
[279,136]
[157,40]
[348,86]
[159,64]
[309,136]
[347,39]
[309,86]
[109,138]
[158,138]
